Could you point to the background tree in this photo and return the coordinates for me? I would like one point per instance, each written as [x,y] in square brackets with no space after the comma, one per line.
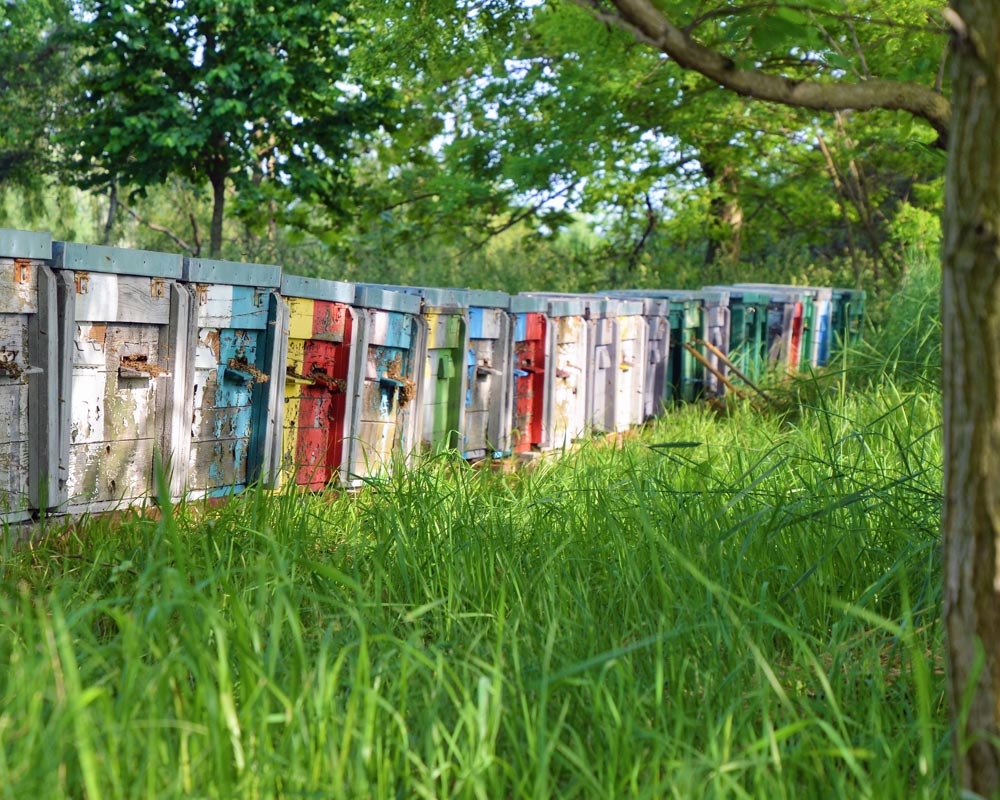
[243,94]
[34,71]
[543,111]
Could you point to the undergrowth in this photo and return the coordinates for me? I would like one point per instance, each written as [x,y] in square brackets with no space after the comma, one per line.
[742,605]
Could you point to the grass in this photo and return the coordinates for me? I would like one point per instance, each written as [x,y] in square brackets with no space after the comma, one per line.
[722,606]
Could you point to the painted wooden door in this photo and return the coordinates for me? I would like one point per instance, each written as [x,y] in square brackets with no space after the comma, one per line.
[631,336]
[529,386]
[317,389]
[604,362]
[443,380]
[657,383]
[121,378]
[716,331]
[388,393]
[230,367]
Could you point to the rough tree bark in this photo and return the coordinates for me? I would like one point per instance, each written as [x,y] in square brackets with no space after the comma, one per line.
[971,316]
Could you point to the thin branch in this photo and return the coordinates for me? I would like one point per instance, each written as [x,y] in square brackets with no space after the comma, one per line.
[756,8]
[649,25]
[158,228]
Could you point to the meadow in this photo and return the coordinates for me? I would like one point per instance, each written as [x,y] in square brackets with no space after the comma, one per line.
[724,604]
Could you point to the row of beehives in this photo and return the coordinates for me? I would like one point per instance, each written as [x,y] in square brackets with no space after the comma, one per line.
[235,373]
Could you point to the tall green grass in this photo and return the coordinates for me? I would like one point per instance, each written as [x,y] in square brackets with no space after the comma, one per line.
[722,606]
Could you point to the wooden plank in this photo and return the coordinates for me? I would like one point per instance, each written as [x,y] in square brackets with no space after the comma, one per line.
[145,300]
[570,329]
[213,303]
[110,471]
[493,320]
[211,422]
[377,445]
[300,318]
[218,463]
[476,430]
[14,456]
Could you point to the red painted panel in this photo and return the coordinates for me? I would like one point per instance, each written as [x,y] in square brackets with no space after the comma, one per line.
[796,343]
[323,404]
[529,390]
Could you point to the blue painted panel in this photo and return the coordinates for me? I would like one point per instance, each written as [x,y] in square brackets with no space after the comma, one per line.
[233,393]
[470,367]
[475,323]
[520,327]
[400,331]
[249,308]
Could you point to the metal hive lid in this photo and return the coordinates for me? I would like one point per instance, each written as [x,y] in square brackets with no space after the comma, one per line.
[234,273]
[317,289]
[25,244]
[99,258]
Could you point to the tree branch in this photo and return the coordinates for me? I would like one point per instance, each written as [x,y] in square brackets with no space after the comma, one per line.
[649,25]
[158,228]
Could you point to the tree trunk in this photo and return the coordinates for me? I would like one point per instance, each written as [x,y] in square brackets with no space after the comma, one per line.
[725,215]
[218,214]
[971,316]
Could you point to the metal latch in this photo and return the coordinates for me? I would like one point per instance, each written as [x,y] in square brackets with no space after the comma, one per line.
[202,290]
[82,280]
[22,270]
[156,287]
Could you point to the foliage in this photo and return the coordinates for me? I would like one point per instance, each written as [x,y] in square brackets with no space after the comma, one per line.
[243,92]
[543,109]
[34,70]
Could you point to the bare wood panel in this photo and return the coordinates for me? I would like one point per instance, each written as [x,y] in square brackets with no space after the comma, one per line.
[145,300]
[218,463]
[13,416]
[14,457]
[109,470]
[376,446]
[476,430]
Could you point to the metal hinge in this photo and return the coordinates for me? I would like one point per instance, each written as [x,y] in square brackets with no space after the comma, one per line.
[22,271]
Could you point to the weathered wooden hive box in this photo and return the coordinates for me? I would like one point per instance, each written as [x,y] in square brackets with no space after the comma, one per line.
[533,374]
[715,322]
[235,392]
[28,375]
[123,318]
[490,375]
[391,353]
[786,310]
[319,391]
[747,330]
[820,325]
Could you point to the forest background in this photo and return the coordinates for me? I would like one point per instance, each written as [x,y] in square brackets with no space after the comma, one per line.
[496,144]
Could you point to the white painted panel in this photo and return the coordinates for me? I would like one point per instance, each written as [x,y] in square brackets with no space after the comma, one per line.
[99,301]
[214,305]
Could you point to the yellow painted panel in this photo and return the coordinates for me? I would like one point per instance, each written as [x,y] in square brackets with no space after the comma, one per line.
[289,434]
[300,317]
